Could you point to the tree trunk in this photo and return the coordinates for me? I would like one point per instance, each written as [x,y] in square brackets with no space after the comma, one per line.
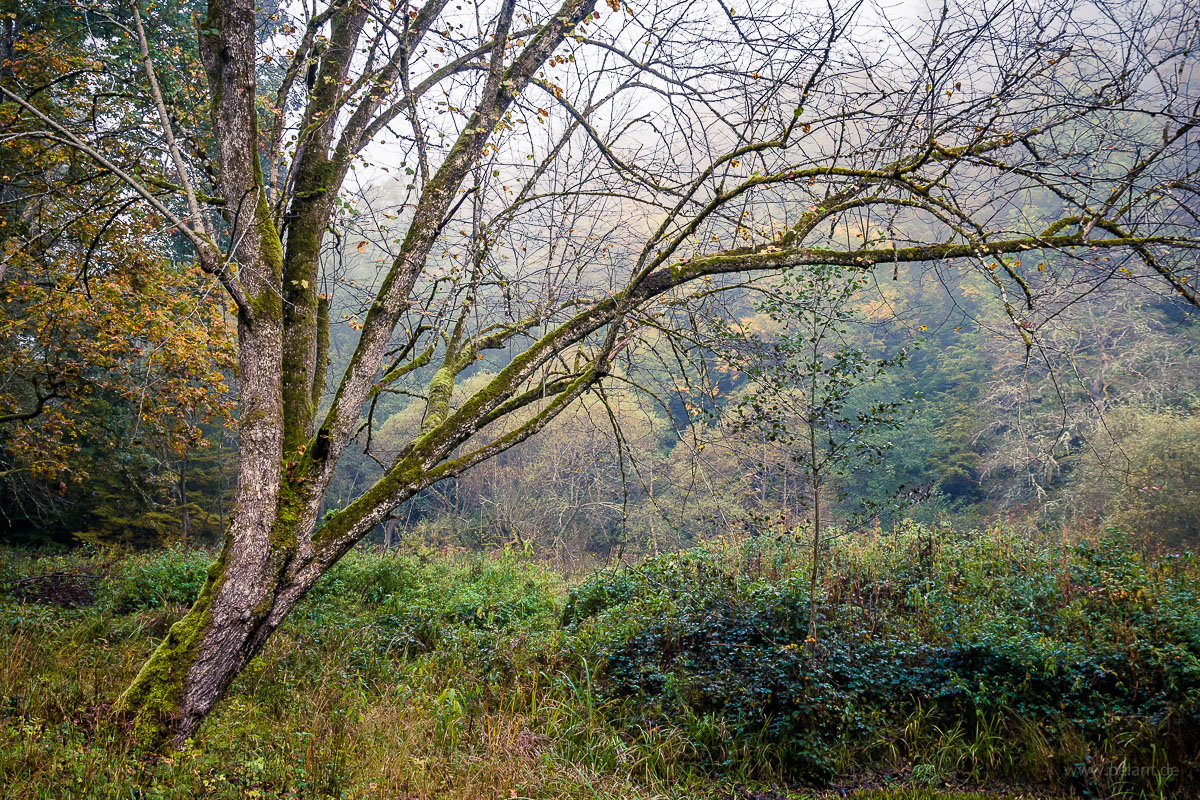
[271,555]
[193,666]
[260,575]
[245,596]
[816,564]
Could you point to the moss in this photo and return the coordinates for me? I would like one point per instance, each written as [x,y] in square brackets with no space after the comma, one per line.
[440,390]
[320,179]
[287,517]
[297,400]
[266,304]
[322,365]
[403,369]
[499,387]
[387,486]
[272,247]
[263,607]
[153,696]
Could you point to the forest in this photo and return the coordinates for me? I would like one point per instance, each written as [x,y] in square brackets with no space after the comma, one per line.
[499,398]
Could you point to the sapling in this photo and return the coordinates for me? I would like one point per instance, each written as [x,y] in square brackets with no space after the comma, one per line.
[818,394]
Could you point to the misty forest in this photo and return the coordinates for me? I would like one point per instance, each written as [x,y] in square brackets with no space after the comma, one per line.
[716,399]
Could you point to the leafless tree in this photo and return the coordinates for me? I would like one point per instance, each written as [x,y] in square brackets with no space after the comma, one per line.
[572,179]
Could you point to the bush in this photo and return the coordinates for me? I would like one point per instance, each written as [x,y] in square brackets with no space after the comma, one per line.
[1087,645]
[170,577]
[120,585]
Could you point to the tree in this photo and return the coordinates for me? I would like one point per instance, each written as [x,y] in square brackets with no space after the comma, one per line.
[808,394]
[572,180]
[114,348]
[1144,477]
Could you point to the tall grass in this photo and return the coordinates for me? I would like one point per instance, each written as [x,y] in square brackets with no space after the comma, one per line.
[417,674]
[412,675]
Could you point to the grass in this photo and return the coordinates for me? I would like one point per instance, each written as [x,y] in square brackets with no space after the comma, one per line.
[429,675]
[406,676]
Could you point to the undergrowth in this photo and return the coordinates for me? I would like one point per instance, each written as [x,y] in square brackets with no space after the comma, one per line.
[942,660]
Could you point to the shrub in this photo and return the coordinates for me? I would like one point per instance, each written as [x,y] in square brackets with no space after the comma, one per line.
[170,577]
[1088,644]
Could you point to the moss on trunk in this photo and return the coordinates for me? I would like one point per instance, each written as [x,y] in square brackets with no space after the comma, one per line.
[151,703]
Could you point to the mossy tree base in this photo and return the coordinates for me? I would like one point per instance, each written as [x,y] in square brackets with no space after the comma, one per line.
[153,702]
[204,651]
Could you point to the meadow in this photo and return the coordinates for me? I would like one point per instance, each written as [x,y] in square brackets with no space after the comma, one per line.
[945,664]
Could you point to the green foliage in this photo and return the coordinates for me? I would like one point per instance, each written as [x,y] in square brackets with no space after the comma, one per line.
[1147,477]
[1082,645]
[345,680]
[944,660]
[160,579]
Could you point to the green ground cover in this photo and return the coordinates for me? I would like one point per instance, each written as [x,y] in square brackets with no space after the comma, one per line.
[943,663]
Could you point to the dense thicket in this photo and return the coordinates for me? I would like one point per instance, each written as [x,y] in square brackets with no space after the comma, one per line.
[988,638]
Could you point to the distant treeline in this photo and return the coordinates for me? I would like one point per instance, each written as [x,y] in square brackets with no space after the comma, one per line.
[1095,425]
